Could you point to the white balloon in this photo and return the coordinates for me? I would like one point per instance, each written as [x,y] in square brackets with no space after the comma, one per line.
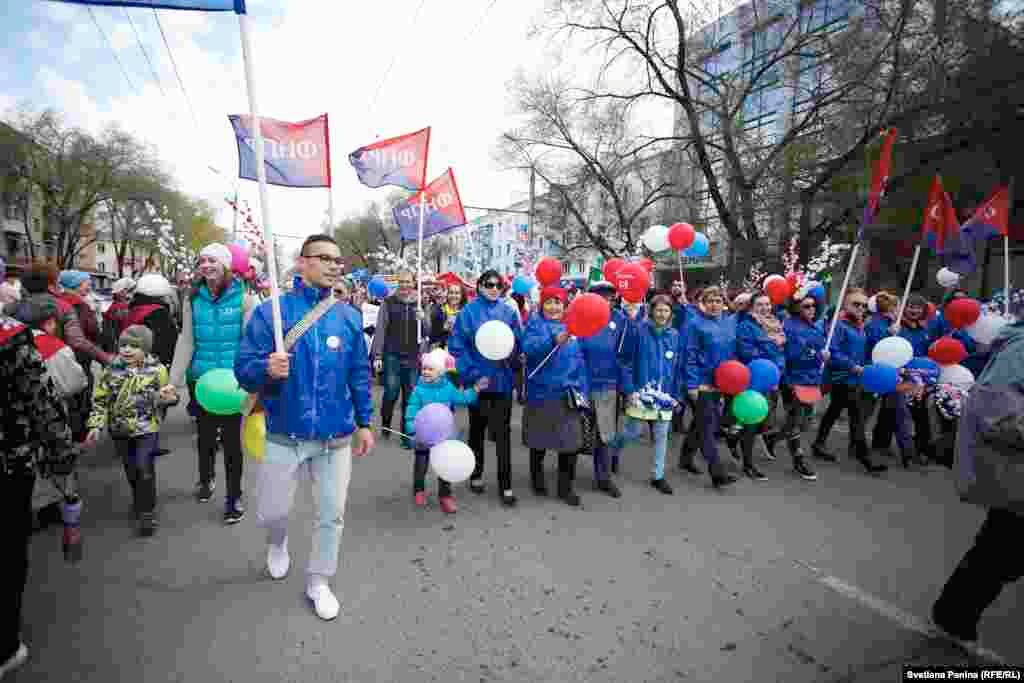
[656,238]
[452,461]
[892,351]
[947,278]
[987,328]
[873,303]
[957,375]
[495,340]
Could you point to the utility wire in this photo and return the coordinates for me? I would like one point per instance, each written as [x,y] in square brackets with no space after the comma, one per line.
[394,58]
[145,53]
[177,74]
[480,21]
[111,46]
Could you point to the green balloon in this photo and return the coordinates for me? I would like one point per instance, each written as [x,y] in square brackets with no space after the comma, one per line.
[750,407]
[218,392]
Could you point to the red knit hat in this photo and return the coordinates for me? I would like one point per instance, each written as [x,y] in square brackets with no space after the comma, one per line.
[552,292]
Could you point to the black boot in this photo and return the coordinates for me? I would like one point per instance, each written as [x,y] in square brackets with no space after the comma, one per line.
[861,454]
[769,445]
[387,410]
[720,476]
[908,457]
[800,466]
[537,473]
[609,487]
[749,468]
[819,451]
[688,461]
[566,476]
[734,448]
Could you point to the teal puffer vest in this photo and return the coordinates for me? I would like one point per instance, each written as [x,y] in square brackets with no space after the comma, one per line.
[216,329]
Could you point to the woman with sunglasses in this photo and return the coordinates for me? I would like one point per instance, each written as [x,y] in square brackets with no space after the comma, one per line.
[759,336]
[493,412]
[805,353]
[711,340]
[845,366]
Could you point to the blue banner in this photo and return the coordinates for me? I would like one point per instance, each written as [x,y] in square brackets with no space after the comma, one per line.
[237,6]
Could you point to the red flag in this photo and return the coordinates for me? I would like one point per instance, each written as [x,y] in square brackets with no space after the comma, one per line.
[939,227]
[882,171]
[991,218]
[443,209]
[400,161]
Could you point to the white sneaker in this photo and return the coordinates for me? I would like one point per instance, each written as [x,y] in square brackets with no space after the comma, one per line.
[15,661]
[278,560]
[324,602]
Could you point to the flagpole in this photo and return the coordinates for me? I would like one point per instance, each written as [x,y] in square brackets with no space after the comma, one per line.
[910,280]
[842,295]
[419,267]
[1006,249]
[330,208]
[261,176]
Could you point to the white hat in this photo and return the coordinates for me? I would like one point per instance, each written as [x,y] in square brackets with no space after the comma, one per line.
[154,285]
[436,359]
[125,284]
[218,252]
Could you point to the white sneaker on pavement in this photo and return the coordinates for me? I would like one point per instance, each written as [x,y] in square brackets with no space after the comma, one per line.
[278,560]
[324,602]
[15,661]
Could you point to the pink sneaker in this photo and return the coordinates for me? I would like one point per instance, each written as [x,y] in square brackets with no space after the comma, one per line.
[420,499]
[448,504]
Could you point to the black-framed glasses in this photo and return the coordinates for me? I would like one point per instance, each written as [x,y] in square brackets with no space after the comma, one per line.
[859,304]
[491,285]
[328,260]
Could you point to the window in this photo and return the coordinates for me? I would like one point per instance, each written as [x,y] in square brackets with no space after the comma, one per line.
[11,209]
[565,267]
[579,266]
[101,266]
[101,248]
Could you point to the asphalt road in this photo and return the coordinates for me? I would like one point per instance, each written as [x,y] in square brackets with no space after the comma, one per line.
[781,580]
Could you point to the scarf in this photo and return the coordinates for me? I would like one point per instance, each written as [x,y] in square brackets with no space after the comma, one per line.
[847,318]
[449,310]
[771,326]
[912,324]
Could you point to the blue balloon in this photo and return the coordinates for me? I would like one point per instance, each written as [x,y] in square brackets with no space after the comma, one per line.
[818,293]
[880,379]
[924,367]
[523,285]
[377,288]
[700,247]
[764,375]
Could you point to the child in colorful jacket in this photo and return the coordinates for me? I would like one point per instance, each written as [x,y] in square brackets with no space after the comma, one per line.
[128,402]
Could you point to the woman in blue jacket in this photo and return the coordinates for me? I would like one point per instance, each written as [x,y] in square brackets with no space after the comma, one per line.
[846,364]
[805,355]
[711,340]
[651,365]
[759,336]
[554,369]
[600,354]
[493,412]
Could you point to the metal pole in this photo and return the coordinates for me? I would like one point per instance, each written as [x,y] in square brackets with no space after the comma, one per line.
[533,201]
[234,222]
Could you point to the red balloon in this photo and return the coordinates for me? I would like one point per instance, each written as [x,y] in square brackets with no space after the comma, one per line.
[681,236]
[648,264]
[794,281]
[632,282]
[932,310]
[732,377]
[777,288]
[947,351]
[549,272]
[587,315]
[612,268]
[962,312]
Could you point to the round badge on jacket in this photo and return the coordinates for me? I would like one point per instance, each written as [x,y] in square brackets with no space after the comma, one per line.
[333,342]
[669,354]
[611,325]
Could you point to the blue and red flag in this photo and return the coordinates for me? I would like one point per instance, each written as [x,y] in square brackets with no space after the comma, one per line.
[294,154]
[443,209]
[879,182]
[236,6]
[400,161]
[940,230]
[991,218]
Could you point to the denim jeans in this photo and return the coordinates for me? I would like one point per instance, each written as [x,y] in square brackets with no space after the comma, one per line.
[634,429]
[398,379]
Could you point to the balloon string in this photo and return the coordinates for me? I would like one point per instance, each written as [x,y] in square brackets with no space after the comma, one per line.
[546,358]
[395,431]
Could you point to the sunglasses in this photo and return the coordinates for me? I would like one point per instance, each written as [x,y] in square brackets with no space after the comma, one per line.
[808,305]
[859,304]
[328,260]
[491,285]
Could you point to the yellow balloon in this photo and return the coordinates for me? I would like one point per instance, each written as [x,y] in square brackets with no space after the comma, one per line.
[254,436]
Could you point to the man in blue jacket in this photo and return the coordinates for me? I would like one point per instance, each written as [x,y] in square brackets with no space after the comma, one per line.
[493,412]
[315,397]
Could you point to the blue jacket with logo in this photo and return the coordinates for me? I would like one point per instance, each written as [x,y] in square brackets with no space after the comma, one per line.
[710,342]
[216,329]
[329,374]
[848,348]
[601,351]
[565,369]
[876,330]
[918,337]
[804,344]
[752,343]
[653,356]
[462,345]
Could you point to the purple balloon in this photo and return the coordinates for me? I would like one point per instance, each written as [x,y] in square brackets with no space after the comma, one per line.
[434,424]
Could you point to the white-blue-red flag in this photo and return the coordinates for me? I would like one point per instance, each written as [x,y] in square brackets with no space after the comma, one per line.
[236,6]
[294,154]
[400,161]
[443,209]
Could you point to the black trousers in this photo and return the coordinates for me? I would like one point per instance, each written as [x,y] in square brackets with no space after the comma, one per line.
[848,398]
[138,455]
[16,513]
[229,427]
[982,573]
[419,474]
[492,415]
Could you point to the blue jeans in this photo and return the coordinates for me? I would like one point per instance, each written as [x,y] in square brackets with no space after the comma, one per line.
[707,420]
[398,379]
[634,429]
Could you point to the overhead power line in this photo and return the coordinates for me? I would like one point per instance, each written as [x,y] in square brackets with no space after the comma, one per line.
[145,53]
[394,58]
[177,74]
[110,45]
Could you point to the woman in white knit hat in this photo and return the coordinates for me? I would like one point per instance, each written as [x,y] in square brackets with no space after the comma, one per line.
[213,316]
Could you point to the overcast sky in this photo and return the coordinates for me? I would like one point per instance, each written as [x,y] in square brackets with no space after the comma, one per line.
[313,56]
